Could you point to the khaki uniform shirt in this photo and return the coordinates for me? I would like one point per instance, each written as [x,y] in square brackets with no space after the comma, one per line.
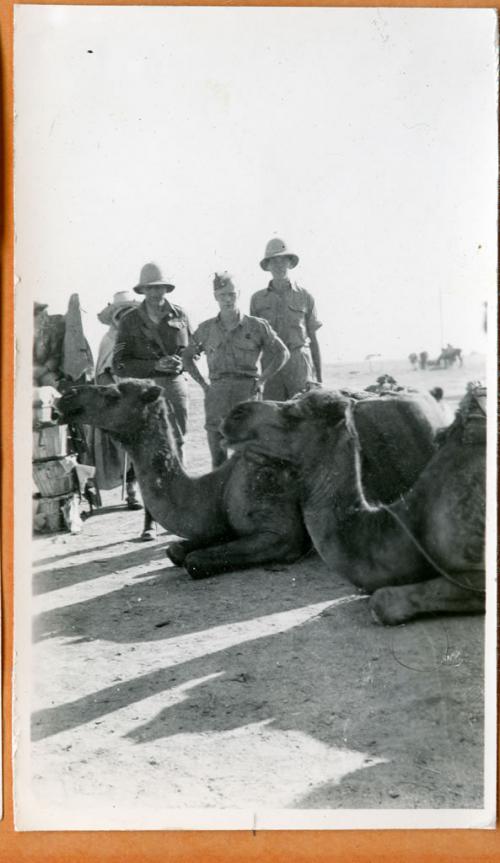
[235,352]
[291,314]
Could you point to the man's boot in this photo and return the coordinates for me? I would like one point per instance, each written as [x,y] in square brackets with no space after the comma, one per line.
[133,501]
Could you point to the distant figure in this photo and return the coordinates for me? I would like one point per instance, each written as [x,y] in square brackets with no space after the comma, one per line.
[449,355]
[423,359]
[413,361]
[438,394]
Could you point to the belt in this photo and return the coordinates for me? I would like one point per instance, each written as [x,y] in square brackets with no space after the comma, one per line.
[233,376]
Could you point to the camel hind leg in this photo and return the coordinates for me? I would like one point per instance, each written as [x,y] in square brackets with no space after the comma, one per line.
[244,552]
[393,605]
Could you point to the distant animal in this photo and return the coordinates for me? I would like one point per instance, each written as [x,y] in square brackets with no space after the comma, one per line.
[449,356]
[423,554]
[413,358]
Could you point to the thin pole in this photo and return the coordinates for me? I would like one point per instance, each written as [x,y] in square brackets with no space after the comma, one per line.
[441,327]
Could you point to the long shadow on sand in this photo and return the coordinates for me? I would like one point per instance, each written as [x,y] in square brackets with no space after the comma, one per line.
[68,576]
[55,558]
[169,603]
[338,679]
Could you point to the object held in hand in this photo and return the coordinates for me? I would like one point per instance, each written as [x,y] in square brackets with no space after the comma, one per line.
[172,364]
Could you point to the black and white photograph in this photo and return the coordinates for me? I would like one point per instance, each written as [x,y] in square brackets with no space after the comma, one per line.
[255,462]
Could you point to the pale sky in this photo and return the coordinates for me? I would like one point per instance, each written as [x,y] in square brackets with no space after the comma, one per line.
[189,136]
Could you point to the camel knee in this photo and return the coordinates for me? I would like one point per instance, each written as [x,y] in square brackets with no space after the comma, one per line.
[390,606]
[393,605]
[199,565]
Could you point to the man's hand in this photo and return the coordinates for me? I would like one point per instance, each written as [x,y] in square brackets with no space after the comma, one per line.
[172,364]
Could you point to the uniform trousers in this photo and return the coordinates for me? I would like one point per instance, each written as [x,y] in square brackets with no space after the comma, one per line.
[222,395]
[175,393]
[292,378]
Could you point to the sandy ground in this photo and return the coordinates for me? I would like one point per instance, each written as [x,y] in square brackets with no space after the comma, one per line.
[264,688]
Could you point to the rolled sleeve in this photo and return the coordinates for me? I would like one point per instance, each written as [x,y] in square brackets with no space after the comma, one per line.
[312,321]
[197,341]
[270,340]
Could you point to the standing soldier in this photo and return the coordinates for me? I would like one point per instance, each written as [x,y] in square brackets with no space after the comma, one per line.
[149,344]
[233,344]
[291,311]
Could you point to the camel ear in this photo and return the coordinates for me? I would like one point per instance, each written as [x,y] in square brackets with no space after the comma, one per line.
[151,394]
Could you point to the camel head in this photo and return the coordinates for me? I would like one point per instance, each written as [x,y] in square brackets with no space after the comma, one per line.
[287,430]
[120,409]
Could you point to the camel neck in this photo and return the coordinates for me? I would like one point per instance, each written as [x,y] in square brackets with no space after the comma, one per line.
[159,470]
[331,483]
[185,506]
[344,531]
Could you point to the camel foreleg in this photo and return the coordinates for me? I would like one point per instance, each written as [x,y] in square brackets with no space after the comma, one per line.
[242,553]
[177,551]
[393,605]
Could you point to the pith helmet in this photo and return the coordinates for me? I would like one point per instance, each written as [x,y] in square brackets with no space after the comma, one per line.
[152,275]
[121,301]
[277,248]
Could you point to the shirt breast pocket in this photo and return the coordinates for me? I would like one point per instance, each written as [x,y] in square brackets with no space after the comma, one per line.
[296,313]
[246,353]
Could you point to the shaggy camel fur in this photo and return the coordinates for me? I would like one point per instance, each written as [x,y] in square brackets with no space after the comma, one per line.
[243,514]
[422,555]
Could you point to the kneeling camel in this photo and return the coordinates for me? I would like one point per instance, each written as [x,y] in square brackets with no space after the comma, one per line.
[424,553]
[243,514]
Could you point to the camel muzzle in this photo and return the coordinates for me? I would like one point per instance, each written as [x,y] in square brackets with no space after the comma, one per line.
[67,406]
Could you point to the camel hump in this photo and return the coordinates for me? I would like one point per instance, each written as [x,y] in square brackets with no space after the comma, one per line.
[397,441]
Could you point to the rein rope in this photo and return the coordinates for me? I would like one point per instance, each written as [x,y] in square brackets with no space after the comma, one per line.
[379,507]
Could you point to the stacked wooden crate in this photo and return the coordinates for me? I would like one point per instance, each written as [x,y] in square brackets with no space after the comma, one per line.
[55,499]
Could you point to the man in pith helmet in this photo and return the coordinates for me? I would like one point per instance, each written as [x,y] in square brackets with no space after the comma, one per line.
[149,344]
[233,344]
[291,312]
